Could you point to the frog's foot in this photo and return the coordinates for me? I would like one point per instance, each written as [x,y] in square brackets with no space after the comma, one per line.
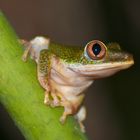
[80,116]
[55,101]
[51,99]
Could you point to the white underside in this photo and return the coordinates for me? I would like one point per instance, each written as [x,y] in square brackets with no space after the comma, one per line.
[68,82]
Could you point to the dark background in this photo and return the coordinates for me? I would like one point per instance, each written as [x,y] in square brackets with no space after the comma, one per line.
[113,103]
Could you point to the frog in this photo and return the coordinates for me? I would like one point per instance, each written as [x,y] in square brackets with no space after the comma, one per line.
[65,72]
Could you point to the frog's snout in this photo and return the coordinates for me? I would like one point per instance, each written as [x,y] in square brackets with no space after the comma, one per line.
[129,58]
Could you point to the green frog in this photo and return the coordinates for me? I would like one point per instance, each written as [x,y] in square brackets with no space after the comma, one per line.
[65,72]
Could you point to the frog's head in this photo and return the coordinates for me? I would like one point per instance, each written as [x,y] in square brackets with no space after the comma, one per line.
[99,60]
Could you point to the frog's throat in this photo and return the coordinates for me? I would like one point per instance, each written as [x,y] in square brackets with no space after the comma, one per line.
[101,70]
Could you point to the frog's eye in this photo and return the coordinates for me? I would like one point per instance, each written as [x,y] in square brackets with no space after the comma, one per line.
[96,49]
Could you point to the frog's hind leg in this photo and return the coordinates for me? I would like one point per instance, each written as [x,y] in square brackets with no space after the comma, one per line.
[34,46]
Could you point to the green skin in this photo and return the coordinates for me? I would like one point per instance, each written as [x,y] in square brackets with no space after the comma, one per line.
[65,72]
[75,54]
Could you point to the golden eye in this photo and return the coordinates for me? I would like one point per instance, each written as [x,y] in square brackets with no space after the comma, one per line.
[96,49]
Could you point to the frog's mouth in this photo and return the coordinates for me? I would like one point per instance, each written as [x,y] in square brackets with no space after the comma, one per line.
[101,70]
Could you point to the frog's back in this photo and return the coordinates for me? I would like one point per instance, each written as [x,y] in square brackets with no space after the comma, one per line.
[67,53]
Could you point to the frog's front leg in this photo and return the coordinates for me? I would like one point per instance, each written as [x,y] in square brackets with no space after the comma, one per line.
[45,84]
[53,101]
[68,110]
[71,107]
[43,69]
[43,72]
[38,50]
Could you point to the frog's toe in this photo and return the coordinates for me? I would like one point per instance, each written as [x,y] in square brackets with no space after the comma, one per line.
[81,116]
[46,102]
[46,99]
[55,103]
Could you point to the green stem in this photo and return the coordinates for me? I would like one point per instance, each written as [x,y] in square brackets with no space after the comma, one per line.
[22,96]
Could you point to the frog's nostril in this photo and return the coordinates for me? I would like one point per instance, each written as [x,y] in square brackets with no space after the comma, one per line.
[128,57]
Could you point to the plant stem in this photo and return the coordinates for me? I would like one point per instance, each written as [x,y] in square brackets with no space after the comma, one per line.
[22,96]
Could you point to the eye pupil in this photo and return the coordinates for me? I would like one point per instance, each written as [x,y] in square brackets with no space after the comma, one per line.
[96,49]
